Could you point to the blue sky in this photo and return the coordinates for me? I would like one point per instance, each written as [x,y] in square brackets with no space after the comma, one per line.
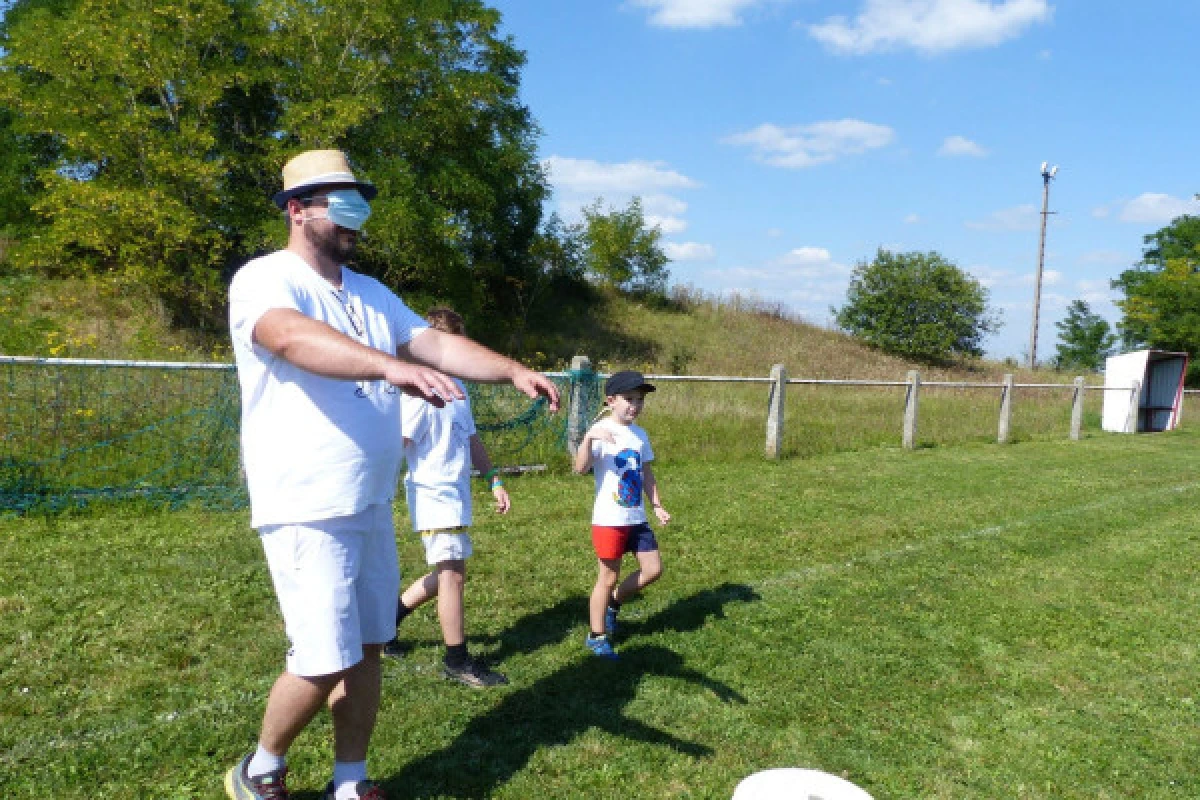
[777,143]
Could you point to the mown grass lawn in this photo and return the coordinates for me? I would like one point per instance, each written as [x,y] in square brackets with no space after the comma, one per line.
[974,621]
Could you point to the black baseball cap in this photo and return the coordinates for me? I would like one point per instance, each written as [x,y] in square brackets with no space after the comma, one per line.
[627,380]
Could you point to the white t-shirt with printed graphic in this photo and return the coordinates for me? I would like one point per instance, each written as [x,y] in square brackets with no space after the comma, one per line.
[316,448]
[619,477]
[438,483]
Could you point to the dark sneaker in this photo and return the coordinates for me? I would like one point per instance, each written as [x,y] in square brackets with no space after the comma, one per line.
[363,790]
[240,786]
[395,649]
[474,674]
[610,620]
[600,646]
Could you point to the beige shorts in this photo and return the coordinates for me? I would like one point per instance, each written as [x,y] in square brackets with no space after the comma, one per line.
[446,545]
[337,581]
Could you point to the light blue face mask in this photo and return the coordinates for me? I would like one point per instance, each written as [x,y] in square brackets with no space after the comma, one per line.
[347,208]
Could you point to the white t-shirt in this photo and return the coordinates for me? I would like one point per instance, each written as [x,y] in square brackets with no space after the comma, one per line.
[438,483]
[618,470]
[315,448]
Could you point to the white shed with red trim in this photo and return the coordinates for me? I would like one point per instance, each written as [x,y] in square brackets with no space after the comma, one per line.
[1158,403]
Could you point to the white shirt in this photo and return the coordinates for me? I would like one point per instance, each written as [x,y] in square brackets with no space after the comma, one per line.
[438,483]
[619,475]
[315,448]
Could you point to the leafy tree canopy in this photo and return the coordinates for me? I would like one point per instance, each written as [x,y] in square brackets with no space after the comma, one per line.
[1085,339]
[621,251]
[917,305]
[170,120]
[1161,303]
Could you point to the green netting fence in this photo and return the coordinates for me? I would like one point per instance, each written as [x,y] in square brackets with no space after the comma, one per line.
[74,431]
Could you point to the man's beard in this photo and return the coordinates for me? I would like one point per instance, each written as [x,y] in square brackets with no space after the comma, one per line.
[330,244]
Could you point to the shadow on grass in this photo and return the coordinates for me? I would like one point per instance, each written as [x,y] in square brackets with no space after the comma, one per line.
[692,613]
[529,633]
[591,693]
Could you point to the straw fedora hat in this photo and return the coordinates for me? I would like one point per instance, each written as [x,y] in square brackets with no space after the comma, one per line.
[319,169]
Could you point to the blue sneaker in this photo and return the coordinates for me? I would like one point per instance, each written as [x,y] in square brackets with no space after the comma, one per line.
[600,646]
[610,620]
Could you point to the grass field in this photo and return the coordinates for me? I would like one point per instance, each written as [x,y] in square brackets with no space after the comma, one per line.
[955,622]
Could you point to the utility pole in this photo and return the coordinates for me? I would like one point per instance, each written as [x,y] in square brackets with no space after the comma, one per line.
[1048,174]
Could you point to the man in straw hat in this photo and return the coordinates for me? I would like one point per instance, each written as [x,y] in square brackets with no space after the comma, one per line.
[322,353]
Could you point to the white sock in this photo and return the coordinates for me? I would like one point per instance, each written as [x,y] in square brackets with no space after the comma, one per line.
[346,775]
[264,761]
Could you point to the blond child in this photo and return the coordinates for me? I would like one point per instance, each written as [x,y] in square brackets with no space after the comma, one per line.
[619,452]
[441,446]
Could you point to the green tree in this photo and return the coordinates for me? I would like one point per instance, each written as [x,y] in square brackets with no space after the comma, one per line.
[621,252]
[557,271]
[1085,339]
[1161,304]
[171,119]
[917,305]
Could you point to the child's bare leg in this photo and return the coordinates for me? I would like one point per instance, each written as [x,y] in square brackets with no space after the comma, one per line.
[451,578]
[606,580]
[649,570]
[423,590]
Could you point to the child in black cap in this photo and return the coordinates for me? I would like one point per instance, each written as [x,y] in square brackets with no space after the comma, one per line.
[620,452]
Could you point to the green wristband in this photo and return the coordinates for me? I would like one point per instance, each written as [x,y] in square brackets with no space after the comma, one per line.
[490,474]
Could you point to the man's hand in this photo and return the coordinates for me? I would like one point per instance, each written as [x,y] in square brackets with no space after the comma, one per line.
[534,384]
[423,382]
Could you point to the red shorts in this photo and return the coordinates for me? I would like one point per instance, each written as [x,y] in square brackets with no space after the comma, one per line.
[614,541]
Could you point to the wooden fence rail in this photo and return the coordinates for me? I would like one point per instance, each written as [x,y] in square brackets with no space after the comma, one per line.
[778,382]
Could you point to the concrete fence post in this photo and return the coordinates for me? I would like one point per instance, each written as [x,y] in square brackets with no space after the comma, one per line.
[577,409]
[775,411]
[910,409]
[1077,410]
[1135,406]
[1006,394]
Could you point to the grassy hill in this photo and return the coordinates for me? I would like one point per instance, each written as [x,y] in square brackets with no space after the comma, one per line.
[700,336]
[695,335]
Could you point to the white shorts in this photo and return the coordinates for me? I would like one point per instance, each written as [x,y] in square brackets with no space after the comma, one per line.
[446,546]
[337,581]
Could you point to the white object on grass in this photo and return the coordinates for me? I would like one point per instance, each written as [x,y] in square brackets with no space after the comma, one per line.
[797,784]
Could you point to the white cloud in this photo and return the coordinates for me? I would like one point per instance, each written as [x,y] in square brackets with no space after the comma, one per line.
[1020,218]
[961,146]
[689,251]
[805,257]
[630,177]
[696,13]
[912,219]
[807,279]
[665,213]
[774,233]
[808,145]
[664,205]
[578,182]
[1157,209]
[669,226]
[929,26]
